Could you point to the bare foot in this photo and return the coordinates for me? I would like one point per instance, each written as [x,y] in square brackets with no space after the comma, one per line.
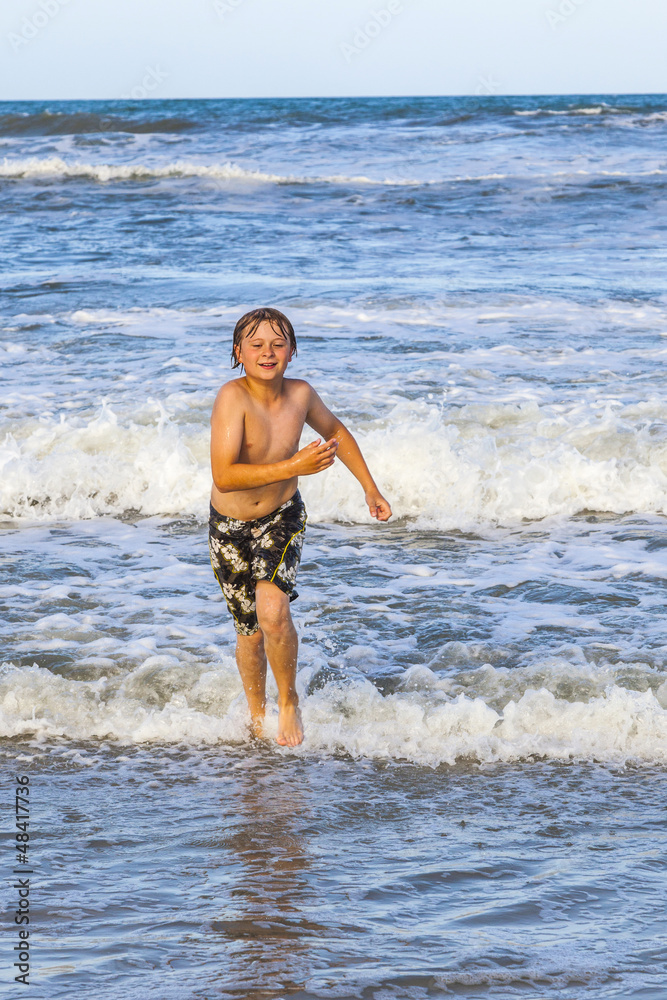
[290,727]
[257,726]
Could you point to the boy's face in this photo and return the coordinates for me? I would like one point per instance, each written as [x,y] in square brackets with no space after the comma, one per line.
[266,353]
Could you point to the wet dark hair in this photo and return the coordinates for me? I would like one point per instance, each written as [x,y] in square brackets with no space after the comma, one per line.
[248,323]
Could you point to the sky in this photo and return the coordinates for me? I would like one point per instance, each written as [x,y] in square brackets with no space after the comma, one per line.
[105,49]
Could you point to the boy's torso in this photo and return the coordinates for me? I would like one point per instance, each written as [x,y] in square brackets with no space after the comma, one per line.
[271,433]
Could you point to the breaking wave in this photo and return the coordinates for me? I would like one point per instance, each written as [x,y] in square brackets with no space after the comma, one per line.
[443,467]
[86,123]
[424,721]
[54,167]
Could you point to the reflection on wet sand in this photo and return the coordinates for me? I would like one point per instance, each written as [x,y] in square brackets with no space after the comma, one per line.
[265,926]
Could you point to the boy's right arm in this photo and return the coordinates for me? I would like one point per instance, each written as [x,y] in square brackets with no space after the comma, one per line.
[230,475]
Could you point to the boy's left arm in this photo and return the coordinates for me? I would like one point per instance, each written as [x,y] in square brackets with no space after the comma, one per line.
[325,423]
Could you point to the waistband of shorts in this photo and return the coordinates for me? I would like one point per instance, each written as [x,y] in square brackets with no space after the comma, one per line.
[234,522]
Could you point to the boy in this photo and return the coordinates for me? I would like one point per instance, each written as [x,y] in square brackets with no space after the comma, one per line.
[257,516]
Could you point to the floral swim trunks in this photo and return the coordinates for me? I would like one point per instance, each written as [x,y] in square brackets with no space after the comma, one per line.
[243,552]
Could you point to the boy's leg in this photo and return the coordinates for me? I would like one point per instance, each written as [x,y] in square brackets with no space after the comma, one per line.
[251,661]
[281,645]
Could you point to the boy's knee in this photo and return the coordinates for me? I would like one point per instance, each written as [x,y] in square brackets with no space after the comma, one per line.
[250,641]
[275,621]
[273,612]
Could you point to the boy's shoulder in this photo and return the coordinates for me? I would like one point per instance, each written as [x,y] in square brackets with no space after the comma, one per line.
[299,393]
[232,388]
[236,389]
[233,385]
[297,385]
[231,399]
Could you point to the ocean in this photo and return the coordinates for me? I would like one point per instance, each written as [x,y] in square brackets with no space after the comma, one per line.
[478,291]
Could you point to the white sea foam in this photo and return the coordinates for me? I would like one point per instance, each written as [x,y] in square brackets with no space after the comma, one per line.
[531,112]
[77,469]
[502,463]
[37,702]
[447,467]
[165,701]
[350,320]
[56,167]
[627,115]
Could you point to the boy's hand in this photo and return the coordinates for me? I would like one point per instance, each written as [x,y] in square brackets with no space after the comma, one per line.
[315,457]
[378,506]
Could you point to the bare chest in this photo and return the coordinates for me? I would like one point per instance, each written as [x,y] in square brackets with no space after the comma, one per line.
[271,435]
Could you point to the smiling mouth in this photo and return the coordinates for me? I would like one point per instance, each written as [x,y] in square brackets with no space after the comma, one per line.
[267,364]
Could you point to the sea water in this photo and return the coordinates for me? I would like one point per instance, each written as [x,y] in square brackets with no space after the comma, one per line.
[478,291]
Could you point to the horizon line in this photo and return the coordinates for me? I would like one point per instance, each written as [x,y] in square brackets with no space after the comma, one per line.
[339,97]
